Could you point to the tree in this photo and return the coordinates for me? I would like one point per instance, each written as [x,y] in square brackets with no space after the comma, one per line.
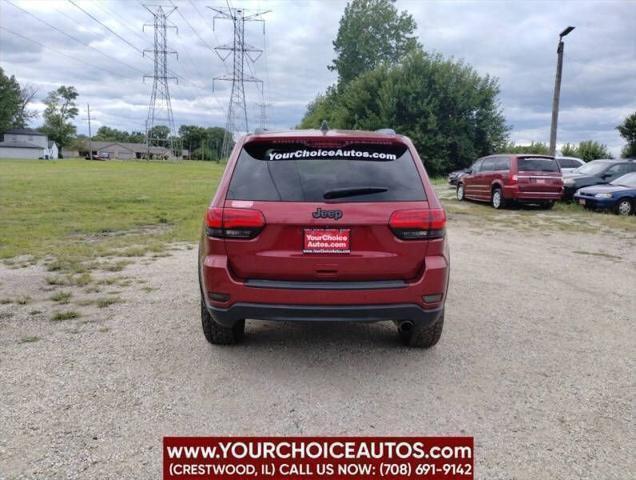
[450,112]
[108,134]
[10,101]
[569,150]
[371,32]
[158,135]
[60,109]
[24,115]
[537,148]
[203,143]
[628,131]
[590,150]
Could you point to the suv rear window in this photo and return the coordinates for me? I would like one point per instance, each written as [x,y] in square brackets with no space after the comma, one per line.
[299,173]
[537,164]
[568,163]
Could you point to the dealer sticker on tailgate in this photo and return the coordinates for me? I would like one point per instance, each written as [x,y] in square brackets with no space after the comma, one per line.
[327,240]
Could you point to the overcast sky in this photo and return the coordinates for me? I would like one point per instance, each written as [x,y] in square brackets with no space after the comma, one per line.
[514,41]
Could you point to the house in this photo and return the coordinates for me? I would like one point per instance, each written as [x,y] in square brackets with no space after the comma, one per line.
[125,151]
[70,153]
[26,143]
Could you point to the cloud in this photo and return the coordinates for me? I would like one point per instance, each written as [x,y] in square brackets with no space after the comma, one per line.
[514,41]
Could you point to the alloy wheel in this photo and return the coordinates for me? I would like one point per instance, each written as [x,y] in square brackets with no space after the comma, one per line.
[625,207]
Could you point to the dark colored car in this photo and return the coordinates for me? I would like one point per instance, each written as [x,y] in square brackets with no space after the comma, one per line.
[453,177]
[99,156]
[619,195]
[596,172]
[333,226]
[501,179]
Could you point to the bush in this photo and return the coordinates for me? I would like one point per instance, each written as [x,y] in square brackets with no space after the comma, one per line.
[449,111]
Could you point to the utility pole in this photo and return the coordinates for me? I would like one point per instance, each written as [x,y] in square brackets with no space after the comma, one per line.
[557,91]
[241,52]
[90,133]
[160,107]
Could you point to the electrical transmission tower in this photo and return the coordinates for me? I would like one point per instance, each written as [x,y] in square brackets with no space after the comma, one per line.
[263,120]
[241,53]
[160,107]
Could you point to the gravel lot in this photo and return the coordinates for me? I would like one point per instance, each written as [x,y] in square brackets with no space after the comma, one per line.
[536,362]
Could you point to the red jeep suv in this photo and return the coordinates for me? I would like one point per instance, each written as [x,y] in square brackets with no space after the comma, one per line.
[501,179]
[326,226]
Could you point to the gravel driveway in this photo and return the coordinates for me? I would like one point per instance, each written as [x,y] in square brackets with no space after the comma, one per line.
[536,362]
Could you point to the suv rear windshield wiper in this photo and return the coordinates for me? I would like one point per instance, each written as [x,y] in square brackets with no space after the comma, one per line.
[353,191]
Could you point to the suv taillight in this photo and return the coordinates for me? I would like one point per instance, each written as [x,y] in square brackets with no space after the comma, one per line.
[234,222]
[418,224]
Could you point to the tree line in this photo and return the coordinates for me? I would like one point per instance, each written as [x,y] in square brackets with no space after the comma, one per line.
[202,143]
[387,80]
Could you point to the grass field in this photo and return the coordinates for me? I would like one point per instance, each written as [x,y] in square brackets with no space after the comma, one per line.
[71,211]
[78,215]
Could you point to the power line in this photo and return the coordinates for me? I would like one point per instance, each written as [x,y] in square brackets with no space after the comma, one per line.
[120,20]
[192,28]
[107,28]
[70,36]
[138,50]
[60,53]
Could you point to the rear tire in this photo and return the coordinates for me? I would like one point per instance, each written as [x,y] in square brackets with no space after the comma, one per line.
[496,200]
[460,192]
[423,337]
[218,334]
[547,205]
[624,207]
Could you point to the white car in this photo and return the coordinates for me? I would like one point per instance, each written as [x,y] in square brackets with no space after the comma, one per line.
[569,164]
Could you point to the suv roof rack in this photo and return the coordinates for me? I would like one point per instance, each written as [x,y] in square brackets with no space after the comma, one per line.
[386,131]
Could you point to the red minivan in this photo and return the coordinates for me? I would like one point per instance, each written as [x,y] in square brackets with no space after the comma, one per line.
[501,179]
[328,226]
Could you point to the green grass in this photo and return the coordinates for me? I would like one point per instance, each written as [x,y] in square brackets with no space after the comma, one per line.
[77,210]
[564,217]
[439,181]
[107,301]
[29,339]
[67,315]
[61,297]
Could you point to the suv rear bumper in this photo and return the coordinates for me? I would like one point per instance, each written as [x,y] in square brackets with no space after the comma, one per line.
[513,192]
[357,313]
[369,301]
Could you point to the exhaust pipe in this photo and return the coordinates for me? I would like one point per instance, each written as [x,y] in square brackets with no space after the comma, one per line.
[405,326]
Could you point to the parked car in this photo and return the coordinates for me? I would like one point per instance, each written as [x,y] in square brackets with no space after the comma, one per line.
[99,156]
[454,177]
[619,195]
[569,164]
[500,179]
[338,226]
[596,172]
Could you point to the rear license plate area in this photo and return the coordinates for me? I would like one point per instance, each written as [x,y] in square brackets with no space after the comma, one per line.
[581,201]
[327,240]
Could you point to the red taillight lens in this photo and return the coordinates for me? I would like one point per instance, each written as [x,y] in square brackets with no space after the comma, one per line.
[215,217]
[234,222]
[418,224]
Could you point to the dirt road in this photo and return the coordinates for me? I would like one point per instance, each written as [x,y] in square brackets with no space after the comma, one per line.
[536,362]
